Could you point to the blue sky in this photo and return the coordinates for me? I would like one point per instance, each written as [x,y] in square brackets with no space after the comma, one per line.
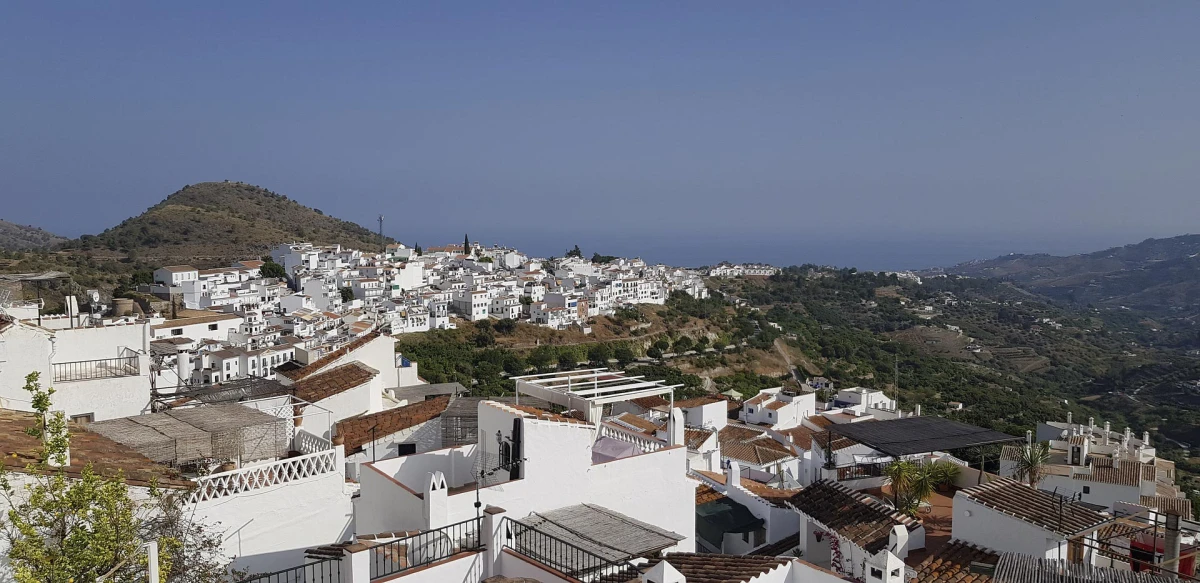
[789,132]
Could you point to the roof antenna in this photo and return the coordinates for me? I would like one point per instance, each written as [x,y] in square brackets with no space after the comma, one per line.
[382,247]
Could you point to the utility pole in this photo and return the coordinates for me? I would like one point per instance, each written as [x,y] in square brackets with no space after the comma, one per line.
[896,374]
[382,247]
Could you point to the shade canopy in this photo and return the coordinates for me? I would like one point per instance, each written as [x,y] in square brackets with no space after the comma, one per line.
[914,435]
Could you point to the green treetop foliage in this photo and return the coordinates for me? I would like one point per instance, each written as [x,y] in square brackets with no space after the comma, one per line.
[347,294]
[67,529]
[598,258]
[576,252]
[272,269]
[466,244]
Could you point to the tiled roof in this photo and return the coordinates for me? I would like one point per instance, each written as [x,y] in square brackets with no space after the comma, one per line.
[1123,476]
[709,568]
[706,494]
[1180,506]
[178,268]
[741,443]
[776,405]
[694,438]
[637,423]
[821,421]
[106,456]
[779,548]
[775,496]
[759,398]
[312,367]
[334,381]
[206,319]
[650,402]
[801,436]
[546,415]
[357,431]
[865,522]
[952,564]
[697,402]
[1036,507]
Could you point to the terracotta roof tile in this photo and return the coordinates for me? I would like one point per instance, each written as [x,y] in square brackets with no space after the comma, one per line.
[821,421]
[1180,506]
[313,367]
[206,319]
[851,514]
[694,438]
[801,436]
[357,431]
[776,405]
[650,402]
[697,402]
[759,398]
[637,423]
[952,564]
[546,415]
[107,457]
[1033,506]
[334,381]
[706,494]
[709,568]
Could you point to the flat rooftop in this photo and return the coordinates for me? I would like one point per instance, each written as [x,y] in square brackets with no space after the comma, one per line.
[914,435]
[588,390]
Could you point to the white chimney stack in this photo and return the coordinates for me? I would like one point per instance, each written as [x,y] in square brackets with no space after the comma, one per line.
[1146,438]
[917,411]
[1069,416]
[1028,437]
[1107,431]
[1091,425]
[733,475]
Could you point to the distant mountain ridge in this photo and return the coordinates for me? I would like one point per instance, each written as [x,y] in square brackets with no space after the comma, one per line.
[213,223]
[1158,276]
[14,237]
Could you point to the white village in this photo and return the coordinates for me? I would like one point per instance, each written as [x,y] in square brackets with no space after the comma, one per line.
[270,398]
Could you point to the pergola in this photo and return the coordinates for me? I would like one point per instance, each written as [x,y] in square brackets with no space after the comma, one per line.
[590,390]
[908,436]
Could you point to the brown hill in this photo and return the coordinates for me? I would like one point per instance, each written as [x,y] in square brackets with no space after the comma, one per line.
[213,223]
[14,237]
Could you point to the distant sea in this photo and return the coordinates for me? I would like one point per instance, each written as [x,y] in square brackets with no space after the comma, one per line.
[905,253]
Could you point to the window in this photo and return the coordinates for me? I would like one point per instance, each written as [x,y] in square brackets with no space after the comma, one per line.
[1087,489]
[84,419]
[876,573]
[746,537]
[749,409]
[176,331]
[226,366]
[212,326]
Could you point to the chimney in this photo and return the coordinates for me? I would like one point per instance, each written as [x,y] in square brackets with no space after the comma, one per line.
[437,506]
[1171,545]
[733,475]
[1028,437]
[917,411]
[1146,438]
[1091,425]
[1107,431]
[1069,416]
[1128,435]
[676,427]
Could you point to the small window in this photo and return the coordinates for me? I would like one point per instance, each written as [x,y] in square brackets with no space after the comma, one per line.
[749,409]
[746,537]
[212,326]
[84,419]
[177,332]
[876,573]
[1087,489]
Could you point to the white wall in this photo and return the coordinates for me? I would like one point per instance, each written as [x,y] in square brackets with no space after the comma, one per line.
[511,565]
[976,523]
[427,436]
[76,344]
[268,529]
[465,569]
[1098,492]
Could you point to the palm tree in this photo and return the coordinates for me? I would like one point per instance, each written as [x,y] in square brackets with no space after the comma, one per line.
[1030,463]
[899,474]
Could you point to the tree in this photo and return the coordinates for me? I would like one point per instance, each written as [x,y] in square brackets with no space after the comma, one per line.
[576,252]
[466,245]
[1030,463]
[418,250]
[66,529]
[506,326]
[654,352]
[899,473]
[599,353]
[683,344]
[541,357]
[347,294]
[272,269]
[624,355]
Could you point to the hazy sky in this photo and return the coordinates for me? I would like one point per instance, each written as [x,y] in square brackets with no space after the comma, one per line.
[724,130]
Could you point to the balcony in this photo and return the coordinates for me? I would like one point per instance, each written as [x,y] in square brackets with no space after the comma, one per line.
[87,370]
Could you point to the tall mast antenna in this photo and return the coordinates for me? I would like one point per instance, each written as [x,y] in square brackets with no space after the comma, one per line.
[382,247]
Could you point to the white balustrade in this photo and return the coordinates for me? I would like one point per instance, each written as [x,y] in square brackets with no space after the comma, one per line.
[263,476]
[643,443]
[306,442]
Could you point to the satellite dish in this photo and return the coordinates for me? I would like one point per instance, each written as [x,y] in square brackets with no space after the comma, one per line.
[94,295]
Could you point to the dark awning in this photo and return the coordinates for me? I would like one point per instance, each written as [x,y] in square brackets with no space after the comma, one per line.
[913,435]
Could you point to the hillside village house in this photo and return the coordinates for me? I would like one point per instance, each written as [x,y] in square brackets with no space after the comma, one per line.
[175,275]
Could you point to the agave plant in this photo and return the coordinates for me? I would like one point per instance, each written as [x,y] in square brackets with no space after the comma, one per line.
[944,473]
[1030,463]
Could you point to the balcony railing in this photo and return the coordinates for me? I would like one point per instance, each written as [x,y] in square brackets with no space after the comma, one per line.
[427,547]
[87,370]
[564,557]
[860,471]
[264,476]
[324,571]
[646,444]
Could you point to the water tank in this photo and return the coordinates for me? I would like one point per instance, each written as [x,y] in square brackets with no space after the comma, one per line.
[122,307]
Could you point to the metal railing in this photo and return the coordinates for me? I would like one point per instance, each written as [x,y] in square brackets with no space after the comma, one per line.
[860,471]
[323,571]
[262,476]
[86,370]
[564,557]
[424,548]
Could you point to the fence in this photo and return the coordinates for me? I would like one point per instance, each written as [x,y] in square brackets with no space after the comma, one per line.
[306,442]
[860,471]
[263,476]
[645,444]
[87,370]
[427,547]
[565,557]
[323,571]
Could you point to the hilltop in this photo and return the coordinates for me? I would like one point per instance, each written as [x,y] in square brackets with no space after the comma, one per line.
[213,223]
[14,237]
[1160,277]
